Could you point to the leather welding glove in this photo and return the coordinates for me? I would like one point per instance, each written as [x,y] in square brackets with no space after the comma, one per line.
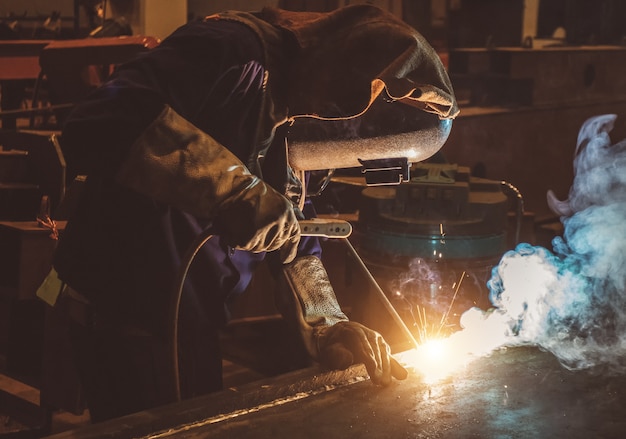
[176,163]
[260,219]
[328,335]
[347,343]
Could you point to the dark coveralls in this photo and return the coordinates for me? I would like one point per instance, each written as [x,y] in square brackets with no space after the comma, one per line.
[122,250]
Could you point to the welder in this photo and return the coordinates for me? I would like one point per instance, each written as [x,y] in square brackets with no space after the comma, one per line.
[191,135]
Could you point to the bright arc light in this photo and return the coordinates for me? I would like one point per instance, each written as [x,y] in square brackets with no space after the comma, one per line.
[435,349]
[438,358]
[435,360]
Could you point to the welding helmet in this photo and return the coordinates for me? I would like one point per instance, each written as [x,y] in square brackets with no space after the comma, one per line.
[363,86]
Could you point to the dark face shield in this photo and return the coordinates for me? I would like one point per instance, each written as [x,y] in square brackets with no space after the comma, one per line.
[387,130]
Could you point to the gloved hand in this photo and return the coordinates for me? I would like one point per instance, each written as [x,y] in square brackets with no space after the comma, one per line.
[259,219]
[309,300]
[347,343]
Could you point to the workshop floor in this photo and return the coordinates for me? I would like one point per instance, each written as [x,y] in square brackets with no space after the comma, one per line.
[20,396]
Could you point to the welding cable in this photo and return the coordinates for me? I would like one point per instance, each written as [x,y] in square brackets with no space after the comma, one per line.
[174,308]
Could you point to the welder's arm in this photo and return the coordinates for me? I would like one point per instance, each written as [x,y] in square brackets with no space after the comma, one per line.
[175,163]
[308,298]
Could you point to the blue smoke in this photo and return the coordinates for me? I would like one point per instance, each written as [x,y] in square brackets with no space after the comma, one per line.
[571,301]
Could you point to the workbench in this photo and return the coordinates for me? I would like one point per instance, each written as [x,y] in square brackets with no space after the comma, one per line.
[513,393]
[20,59]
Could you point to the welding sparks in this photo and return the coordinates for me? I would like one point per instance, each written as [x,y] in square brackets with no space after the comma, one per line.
[528,280]
[437,356]
[436,359]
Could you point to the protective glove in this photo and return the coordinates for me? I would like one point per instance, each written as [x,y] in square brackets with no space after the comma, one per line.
[328,335]
[260,219]
[176,163]
[347,343]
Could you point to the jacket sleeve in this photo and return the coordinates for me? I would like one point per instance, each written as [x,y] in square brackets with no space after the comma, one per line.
[176,163]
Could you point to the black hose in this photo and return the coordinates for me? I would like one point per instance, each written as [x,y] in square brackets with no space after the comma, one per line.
[172,333]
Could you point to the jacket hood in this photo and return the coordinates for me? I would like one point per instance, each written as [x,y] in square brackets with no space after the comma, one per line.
[349,56]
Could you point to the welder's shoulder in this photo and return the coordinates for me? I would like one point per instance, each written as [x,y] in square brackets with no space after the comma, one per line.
[218,38]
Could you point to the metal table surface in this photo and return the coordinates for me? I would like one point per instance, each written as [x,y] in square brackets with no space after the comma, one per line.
[513,393]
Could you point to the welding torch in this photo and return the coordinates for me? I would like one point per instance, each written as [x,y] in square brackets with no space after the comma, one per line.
[319,227]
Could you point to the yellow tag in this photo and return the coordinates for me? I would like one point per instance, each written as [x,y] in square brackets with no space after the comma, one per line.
[50,288]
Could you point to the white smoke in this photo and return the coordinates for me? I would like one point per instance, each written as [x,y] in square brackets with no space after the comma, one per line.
[570,301]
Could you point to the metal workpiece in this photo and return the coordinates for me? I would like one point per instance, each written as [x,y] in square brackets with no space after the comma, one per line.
[515,393]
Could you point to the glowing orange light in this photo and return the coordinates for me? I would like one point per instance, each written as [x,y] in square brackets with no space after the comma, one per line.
[439,358]
[434,360]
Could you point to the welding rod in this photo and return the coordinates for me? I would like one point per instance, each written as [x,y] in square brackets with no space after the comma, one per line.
[382,296]
[330,228]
